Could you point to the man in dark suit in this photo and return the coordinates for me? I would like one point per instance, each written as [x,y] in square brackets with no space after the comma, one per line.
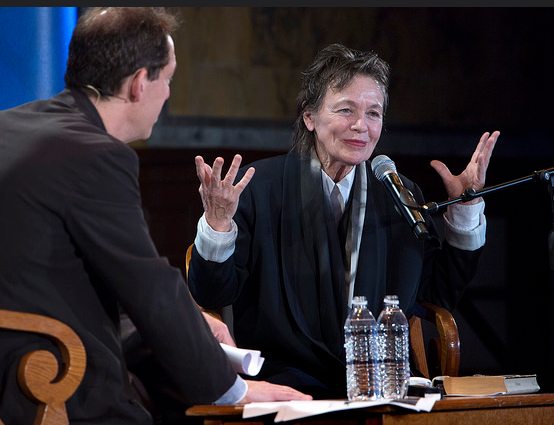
[290,266]
[74,244]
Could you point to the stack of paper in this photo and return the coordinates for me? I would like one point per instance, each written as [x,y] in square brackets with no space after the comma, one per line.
[292,410]
[243,360]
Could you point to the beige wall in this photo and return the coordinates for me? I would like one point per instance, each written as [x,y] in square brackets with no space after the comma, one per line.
[451,67]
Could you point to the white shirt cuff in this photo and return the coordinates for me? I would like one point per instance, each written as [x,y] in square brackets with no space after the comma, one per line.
[465,226]
[213,245]
[234,394]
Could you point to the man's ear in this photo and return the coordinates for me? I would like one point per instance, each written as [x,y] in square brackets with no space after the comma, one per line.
[137,85]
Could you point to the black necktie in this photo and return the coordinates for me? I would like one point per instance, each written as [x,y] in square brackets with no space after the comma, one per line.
[337,203]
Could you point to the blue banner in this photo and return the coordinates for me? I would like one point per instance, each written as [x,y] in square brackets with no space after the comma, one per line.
[33,52]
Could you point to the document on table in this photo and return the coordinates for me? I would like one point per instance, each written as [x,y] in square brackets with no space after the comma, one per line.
[291,410]
[243,360]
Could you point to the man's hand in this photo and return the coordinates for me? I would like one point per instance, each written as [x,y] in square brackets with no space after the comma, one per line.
[219,329]
[219,197]
[265,391]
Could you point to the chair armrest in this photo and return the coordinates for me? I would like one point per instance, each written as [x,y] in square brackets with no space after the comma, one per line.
[217,313]
[443,355]
[38,369]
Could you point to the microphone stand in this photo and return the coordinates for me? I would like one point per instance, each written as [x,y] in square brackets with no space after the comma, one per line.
[546,176]
[551,234]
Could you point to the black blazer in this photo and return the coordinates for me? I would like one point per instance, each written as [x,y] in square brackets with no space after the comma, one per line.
[74,245]
[286,278]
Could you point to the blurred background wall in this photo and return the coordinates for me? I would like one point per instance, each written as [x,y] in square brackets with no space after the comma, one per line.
[456,72]
[33,51]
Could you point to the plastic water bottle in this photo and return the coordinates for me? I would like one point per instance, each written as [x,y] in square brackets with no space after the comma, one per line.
[393,336]
[360,336]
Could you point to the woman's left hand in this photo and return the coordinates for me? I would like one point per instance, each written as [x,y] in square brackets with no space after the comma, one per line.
[473,177]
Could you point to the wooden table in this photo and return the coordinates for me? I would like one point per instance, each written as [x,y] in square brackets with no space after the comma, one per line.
[526,409]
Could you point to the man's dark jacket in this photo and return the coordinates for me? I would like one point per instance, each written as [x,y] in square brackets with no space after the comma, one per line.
[74,245]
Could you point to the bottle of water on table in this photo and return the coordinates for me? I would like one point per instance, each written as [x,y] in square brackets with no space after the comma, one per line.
[393,336]
[360,335]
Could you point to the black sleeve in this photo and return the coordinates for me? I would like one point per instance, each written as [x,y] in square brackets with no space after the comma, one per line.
[107,224]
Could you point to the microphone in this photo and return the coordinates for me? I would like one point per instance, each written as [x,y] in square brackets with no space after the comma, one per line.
[384,170]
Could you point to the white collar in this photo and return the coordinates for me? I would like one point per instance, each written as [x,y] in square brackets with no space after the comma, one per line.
[345,185]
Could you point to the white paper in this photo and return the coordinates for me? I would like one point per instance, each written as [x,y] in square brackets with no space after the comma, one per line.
[292,410]
[243,360]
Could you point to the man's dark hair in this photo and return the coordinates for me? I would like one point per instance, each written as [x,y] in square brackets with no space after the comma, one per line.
[110,44]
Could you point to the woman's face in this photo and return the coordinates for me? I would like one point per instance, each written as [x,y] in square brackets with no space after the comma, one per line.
[347,126]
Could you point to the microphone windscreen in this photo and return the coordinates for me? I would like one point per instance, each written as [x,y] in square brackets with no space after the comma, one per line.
[381,166]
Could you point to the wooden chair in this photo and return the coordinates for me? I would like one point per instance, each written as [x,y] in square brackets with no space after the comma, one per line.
[441,354]
[431,356]
[39,375]
[224,314]
[187,259]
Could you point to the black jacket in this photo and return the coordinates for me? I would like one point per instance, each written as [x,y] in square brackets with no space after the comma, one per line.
[74,245]
[286,278]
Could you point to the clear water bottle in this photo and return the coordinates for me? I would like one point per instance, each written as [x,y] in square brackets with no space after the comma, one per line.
[393,336]
[360,336]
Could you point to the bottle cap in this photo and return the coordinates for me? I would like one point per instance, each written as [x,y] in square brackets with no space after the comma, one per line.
[359,300]
[391,299]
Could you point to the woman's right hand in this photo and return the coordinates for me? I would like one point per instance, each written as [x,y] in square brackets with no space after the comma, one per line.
[220,198]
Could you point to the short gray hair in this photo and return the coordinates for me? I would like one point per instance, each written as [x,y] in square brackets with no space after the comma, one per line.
[334,67]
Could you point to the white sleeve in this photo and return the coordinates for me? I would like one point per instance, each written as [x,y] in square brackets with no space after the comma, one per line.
[234,394]
[212,245]
[465,225]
